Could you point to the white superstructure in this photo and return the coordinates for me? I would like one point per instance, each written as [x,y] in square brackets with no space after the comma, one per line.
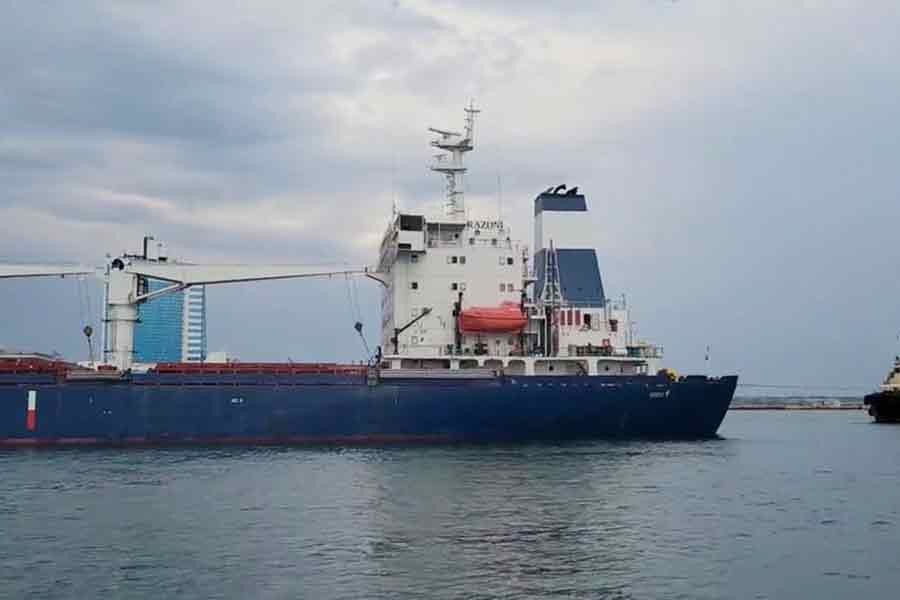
[892,381]
[440,268]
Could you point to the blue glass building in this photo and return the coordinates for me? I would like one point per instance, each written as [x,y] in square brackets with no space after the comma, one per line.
[171,328]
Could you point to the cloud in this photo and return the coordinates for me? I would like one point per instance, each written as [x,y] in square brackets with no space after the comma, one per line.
[737,157]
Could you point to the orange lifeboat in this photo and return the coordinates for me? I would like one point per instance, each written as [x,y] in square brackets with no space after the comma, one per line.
[506,318]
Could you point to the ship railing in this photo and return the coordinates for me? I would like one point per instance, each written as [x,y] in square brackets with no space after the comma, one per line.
[29,366]
[489,241]
[470,242]
[596,351]
[436,243]
[645,351]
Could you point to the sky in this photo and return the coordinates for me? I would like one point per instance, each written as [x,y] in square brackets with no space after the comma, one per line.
[739,160]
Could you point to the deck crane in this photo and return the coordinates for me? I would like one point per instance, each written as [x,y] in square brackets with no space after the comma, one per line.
[126,289]
[10,271]
[18,271]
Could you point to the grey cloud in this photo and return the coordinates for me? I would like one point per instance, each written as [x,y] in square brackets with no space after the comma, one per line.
[738,159]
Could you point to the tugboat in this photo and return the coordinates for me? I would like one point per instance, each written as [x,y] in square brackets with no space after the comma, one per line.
[482,339]
[884,405]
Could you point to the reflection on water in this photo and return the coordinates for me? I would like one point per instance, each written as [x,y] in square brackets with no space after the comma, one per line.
[785,505]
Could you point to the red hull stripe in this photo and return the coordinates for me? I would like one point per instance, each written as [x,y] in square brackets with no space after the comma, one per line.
[31,411]
[348,440]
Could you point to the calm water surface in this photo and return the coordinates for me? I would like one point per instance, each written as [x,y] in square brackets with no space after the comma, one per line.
[787,505]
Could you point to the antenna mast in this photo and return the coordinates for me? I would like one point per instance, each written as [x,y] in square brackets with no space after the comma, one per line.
[450,163]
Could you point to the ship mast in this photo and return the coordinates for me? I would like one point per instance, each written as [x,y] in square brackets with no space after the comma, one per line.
[552,301]
[450,162]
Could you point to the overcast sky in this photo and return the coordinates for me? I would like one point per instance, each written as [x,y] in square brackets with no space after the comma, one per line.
[740,159]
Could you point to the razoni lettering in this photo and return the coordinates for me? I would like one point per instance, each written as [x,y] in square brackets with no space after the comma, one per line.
[485,224]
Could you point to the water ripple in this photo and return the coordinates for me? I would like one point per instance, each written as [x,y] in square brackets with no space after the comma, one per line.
[765,512]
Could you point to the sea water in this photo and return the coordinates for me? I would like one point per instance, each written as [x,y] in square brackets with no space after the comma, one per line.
[787,504]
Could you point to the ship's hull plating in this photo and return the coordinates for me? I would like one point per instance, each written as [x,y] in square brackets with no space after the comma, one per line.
[884,407]
[159,409]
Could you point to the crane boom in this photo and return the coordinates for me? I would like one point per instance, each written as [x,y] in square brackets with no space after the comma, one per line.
[186,275]
[124,291]
[124,294]
[9,271]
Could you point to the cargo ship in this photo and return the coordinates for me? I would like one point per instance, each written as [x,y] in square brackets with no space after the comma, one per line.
[483,339]
[884,405]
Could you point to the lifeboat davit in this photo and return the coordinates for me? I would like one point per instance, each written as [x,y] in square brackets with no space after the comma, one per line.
[506,318]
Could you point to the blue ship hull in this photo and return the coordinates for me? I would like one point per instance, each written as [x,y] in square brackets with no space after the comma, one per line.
[155,408]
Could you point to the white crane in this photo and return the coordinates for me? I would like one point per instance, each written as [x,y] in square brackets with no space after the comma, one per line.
[9,271]
[124,276]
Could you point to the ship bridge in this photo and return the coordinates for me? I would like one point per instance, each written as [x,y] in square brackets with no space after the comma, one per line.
[459,286]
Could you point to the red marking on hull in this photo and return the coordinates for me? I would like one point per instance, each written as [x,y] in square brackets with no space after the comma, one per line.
[35,442]
[30,420]
[293,440]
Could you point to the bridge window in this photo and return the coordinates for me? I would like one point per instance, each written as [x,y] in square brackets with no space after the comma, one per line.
[502,287]
[462,260]
[509,260]
[412,222]
[414,285]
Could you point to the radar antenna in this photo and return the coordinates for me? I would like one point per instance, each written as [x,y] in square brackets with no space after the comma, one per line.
[450,163]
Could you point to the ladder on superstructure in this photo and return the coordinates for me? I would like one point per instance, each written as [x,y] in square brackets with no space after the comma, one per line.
[451,165]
